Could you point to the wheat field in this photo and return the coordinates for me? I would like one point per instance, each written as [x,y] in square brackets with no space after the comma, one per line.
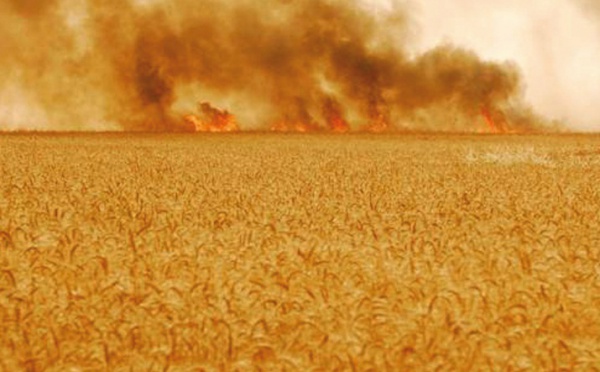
[299,252]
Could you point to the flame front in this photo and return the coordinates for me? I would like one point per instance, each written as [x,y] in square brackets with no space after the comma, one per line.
[215,120]
[212,119]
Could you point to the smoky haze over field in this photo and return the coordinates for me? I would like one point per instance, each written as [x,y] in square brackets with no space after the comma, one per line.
[556,45]
[325,64]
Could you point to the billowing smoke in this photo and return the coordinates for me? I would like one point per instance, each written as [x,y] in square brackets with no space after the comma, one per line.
[556,45]
[274,64]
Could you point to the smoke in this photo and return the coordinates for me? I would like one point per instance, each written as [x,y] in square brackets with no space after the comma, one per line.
[144,65]
[556,45]
[592,6]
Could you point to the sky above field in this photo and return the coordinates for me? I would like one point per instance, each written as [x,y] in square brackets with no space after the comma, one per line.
[463,65]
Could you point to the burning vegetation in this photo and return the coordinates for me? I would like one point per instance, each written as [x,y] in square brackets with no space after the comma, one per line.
[309,65]
[212,120]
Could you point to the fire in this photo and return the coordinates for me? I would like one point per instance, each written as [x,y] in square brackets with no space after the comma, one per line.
[339,125]
[333,113]
[493,125]
[302,61]
[212,119]
[215,120]
[487,116]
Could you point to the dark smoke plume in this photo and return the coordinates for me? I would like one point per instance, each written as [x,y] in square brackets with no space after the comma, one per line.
[319,64]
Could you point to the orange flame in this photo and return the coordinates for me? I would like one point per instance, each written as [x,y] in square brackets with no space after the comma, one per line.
[338,124]
[491,123]
[212,119]
[495,126]
[487,116]
[333,114]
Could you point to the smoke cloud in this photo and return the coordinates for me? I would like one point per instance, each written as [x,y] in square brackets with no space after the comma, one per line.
[591,6]
[145,65]
[556,45]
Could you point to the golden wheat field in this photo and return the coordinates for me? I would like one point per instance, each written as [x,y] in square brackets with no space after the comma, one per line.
[299,253]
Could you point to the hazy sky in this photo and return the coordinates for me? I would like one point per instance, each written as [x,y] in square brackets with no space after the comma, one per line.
[555,43]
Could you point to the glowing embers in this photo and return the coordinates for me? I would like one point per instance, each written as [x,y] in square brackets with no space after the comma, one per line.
[211,119]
